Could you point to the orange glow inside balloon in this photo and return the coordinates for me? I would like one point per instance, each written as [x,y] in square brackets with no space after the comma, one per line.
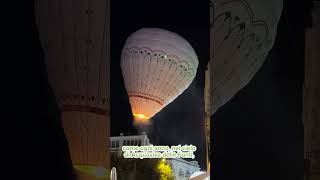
[141,118]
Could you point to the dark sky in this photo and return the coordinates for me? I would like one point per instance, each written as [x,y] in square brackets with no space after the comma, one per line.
[181,122]
[259,133]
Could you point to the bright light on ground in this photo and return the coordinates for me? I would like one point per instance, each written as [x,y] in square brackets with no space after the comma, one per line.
[94,171]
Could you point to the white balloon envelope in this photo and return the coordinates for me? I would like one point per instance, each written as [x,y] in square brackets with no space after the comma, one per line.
[242,35]
[157,66]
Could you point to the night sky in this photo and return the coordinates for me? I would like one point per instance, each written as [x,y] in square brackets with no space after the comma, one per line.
[182,121]
[259,133]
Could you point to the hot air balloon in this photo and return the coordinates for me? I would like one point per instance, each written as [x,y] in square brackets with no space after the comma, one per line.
[157,66]
[242,34]
[75,36]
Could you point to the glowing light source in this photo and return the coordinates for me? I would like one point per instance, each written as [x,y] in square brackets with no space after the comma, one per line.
[140,116]
[93,171]
[141,119]
[165,170]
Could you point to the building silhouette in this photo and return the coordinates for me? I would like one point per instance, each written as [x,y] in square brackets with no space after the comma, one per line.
[311,97]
